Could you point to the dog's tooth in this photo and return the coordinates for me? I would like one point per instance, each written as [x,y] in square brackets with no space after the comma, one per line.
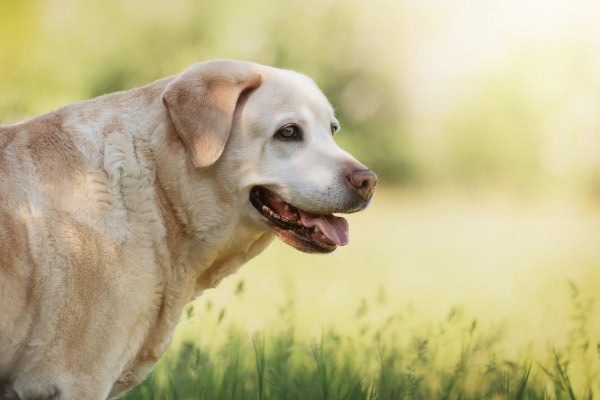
[286,207]
[317,230]
[323,237]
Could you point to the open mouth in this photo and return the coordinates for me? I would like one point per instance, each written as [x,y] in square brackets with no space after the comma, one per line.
[303,230]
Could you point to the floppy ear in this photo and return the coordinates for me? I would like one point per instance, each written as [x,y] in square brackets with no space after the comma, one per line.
[201,102]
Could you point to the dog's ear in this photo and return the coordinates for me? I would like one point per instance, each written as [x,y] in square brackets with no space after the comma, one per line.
[201,102]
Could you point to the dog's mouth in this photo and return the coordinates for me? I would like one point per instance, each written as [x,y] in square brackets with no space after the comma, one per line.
[306,231]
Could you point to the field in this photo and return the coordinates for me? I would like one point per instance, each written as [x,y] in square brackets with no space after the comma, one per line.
[439,295]
[442,293]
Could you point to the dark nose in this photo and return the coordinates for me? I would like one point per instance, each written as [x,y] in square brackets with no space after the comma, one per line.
[363,181]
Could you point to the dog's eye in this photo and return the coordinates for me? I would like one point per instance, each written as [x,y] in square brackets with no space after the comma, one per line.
[334,128]
[289,132]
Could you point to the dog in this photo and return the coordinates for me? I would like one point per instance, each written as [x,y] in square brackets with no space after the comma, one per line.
[117,211]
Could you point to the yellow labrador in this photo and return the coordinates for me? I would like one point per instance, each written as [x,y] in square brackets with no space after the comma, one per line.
[117,211]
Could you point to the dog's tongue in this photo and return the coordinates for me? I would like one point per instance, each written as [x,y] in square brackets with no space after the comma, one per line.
[334,228]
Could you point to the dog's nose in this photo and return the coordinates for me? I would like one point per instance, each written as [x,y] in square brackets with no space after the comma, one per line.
[363,181]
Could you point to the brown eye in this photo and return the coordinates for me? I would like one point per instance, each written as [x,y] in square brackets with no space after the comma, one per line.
[334,129]
[289,132]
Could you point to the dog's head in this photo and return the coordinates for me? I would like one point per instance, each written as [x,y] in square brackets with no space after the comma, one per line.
[273,131]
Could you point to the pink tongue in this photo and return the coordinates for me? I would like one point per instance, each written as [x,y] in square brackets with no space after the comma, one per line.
[334,228]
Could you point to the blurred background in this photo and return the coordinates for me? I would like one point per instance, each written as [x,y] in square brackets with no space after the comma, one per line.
[432,92]
[481,119]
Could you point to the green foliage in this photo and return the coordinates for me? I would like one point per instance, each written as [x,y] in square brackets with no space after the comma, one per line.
[453,359]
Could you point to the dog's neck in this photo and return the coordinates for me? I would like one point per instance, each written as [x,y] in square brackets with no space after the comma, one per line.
[203,248]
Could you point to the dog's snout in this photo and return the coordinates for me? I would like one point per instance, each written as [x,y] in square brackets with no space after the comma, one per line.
[363,182]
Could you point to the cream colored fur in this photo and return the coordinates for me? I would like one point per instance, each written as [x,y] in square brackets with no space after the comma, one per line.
[117,211]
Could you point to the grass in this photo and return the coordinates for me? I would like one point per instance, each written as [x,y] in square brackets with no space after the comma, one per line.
[452,359]
[435,299]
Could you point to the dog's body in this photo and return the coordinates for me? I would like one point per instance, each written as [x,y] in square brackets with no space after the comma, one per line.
[117,211]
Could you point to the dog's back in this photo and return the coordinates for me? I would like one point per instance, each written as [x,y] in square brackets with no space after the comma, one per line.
[78,213]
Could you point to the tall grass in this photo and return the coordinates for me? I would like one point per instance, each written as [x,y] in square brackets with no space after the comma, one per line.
[453,358]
